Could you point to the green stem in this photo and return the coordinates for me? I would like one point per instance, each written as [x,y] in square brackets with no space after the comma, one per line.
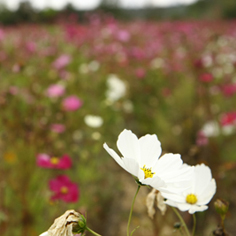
[91,231]
[194,224]
[181,220]
[131,210]
[222,222]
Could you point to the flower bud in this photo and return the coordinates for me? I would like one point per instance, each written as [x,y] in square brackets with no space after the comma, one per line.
[81,226]
[221,206]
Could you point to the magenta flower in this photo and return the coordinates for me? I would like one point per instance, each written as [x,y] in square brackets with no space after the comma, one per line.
[64,189]
[55,90]
[62,61]
[228,119]
[206,77]
[57,128]
[71,103]
[45,161]
[229,89]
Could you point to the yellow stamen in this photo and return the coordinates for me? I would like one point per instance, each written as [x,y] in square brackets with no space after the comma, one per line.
[191,198]
[54,160]
[64,190]
[147,172]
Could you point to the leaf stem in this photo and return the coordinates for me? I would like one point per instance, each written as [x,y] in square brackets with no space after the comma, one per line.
[194,224]
[131,210]
[181,220]
[91,231]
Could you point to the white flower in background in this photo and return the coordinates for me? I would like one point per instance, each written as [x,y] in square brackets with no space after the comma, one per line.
[197,195]
[83,68]
[93,65]
[93,121]
[141,158]
[116,88]
[128,106]
[211,129]
[157,63]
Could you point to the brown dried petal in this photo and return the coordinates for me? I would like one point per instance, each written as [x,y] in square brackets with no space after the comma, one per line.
[155,197]
[150,200]
[160,203]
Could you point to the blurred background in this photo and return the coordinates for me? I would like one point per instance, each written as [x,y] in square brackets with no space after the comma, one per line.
[74,74]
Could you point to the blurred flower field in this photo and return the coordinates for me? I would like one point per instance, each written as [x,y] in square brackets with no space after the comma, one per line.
[66,89]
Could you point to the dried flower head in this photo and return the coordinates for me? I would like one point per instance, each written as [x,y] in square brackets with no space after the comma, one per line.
[64,225]
[154,198]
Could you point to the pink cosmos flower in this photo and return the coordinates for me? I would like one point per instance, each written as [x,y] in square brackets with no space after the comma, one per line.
[123,35]
[202,140]
[64,189]
[71,103]
[30,46]
[55,90]
[229,89]
[58,128]
[140,73]
[45,161]
[206,77]
[62,61]
[228,119]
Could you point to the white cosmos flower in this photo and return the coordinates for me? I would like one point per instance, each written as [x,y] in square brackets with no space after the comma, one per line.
[93,121]
[116,88]
[141,158]
[197,195]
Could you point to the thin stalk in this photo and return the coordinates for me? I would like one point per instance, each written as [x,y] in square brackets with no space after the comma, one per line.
[131,210]
[91,231]
[194,224]
[181,220]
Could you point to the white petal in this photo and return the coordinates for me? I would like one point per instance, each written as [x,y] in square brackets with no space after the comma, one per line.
[150,150]
[168,161]
[44,234]
[183,206]
[131,166]
[155,182]
[127,144]
[206,196]
[195,208]
[202,178]
[168,164]
[178,198]
[114,155]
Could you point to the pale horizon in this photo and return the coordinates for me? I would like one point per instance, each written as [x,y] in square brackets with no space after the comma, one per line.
[92,4]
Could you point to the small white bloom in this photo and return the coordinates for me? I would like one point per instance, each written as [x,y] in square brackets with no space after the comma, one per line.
[211,129]
[141,159]
[93,65]
[116,88]
[197,195]
[93,121]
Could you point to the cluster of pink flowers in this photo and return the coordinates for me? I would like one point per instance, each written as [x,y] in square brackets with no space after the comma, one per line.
[61,186]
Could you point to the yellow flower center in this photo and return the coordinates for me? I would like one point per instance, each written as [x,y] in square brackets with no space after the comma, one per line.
[191,198]
[64,190]
[147,172]
[54,160]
